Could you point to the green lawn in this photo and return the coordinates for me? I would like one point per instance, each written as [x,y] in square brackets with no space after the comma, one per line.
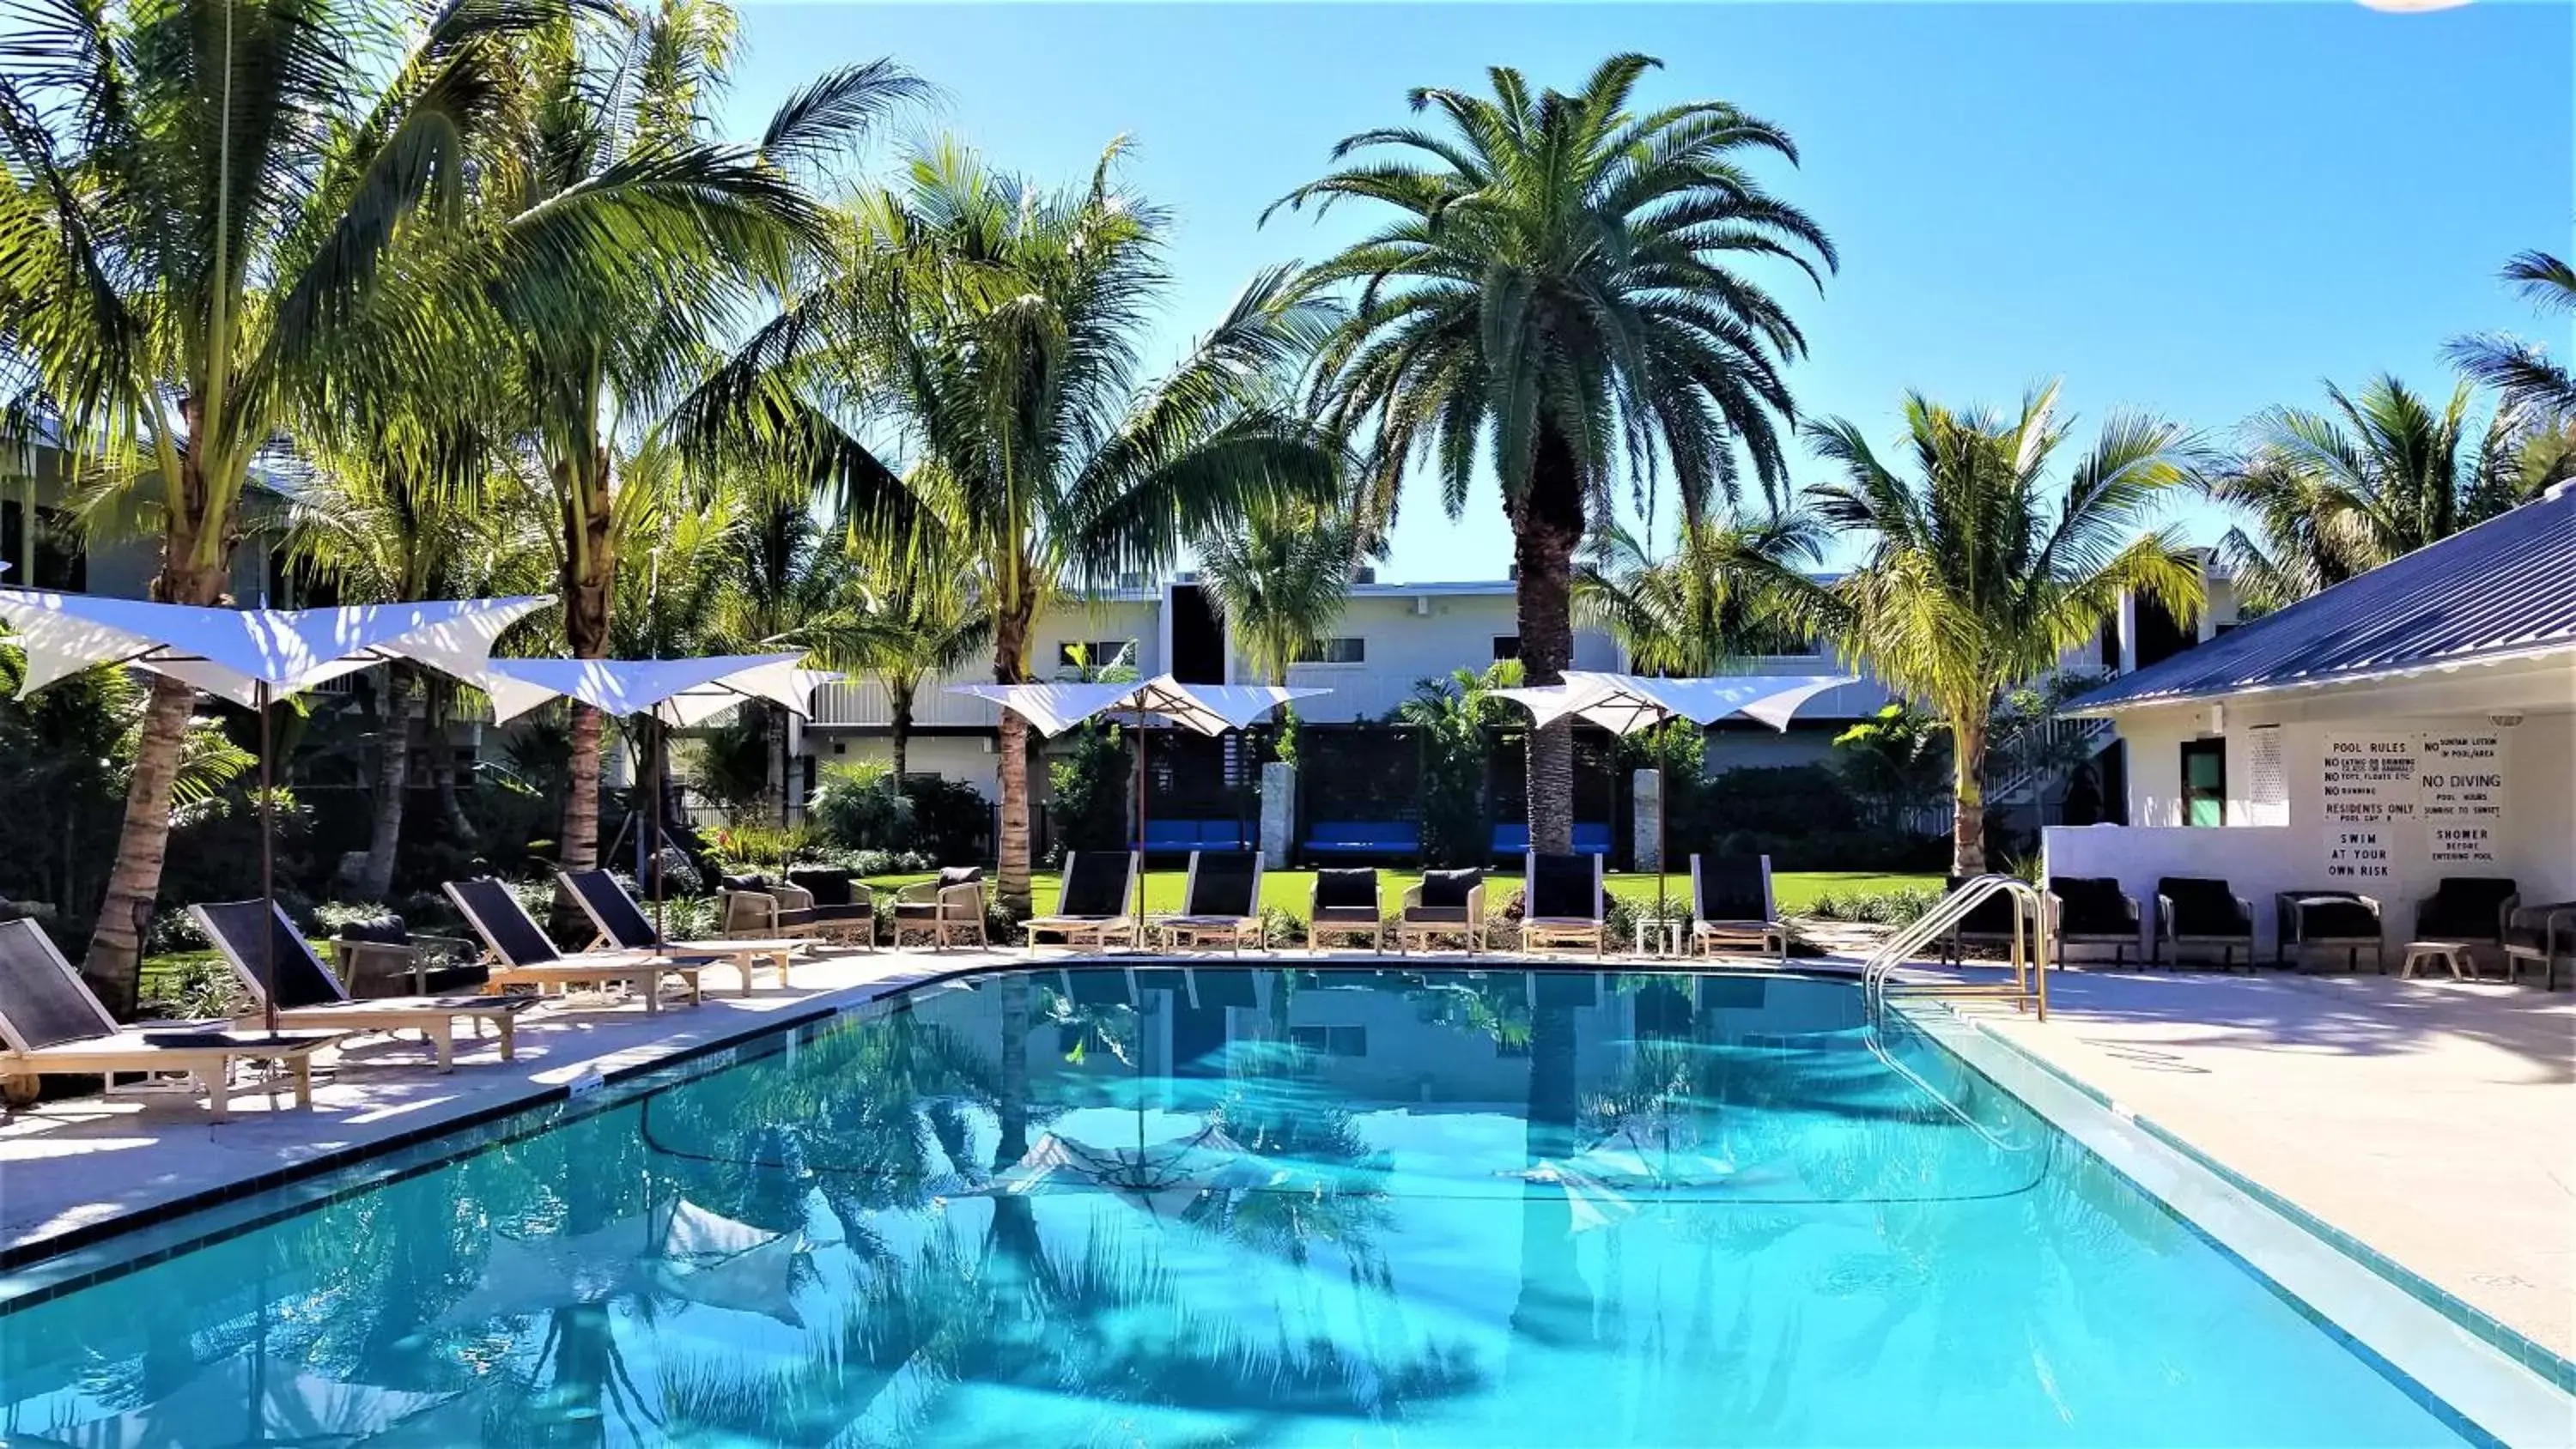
[1291,890]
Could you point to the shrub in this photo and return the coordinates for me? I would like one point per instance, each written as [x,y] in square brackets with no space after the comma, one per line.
[1899,907]
[1087,792]
[952,822]
[855,806]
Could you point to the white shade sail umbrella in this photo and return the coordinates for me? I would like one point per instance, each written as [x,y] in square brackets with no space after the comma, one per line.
[675,1249]
[253,657]
[670,692]
[1626,703]
[1209,709]
[249,1399]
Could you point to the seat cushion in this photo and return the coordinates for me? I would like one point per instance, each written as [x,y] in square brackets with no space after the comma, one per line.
[828,885]
[958,875]
[2092,906]
[755,884]
[2337,921]
[1346,890]
[1346,915]
[384,930]
[1437,915]
[837,913]
[1447,889]
[2203,907]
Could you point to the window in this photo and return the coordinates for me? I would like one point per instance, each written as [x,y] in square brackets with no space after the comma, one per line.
[1094,654]
[2204,782]
[1334,651]
[1507,646]
[1330,1041]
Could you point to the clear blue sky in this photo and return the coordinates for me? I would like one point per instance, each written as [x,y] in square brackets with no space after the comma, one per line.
[2198,209]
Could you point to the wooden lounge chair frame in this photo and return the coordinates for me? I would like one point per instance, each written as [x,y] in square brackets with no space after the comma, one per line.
[1188,929]
[1410,927]
[1540,934]
[641,974]
[1100,929]
[745,957]
[1318,929]
[121,1050]
[1770,933]
[435,1018]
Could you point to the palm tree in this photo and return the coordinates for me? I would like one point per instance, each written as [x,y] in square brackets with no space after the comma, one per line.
[1709,603]
[199,195]
[1278,579]
[2381,473]
[1452,720]
[999,323]
[920,614]
[1560,287]
[2521,372]
[624,240]
[1979,574]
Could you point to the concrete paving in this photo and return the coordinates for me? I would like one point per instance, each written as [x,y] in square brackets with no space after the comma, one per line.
[2433,1120]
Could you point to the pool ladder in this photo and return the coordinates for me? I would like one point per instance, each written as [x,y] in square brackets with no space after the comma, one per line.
[2026,989]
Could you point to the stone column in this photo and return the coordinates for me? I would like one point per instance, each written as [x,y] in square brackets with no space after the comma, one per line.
[1648,794]
[1278,813]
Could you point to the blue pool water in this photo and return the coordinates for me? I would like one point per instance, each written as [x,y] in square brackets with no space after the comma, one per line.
[1235,1206]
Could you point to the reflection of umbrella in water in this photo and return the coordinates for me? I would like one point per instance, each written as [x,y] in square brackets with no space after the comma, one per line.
[1166,1179]
[248,1400]
[677,1250]
[1603,1179]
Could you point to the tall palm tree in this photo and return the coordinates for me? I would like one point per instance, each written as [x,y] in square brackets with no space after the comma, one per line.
[1980,574]
[1710,602]
[1278,580]
[1559,291]
[920,614]
[2381,473]
[198,195]
[2519,371]
[998,322]
[625,240]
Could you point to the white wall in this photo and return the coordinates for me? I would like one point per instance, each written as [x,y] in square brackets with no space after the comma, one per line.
[2536,842]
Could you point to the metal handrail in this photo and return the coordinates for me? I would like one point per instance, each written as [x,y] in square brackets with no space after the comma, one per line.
[2030,975]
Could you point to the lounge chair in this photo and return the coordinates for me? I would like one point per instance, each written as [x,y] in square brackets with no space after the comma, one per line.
[2469,909]
[2306,921]
[1345,904]
[845,909]
[1099,888]
[755,905]
[1990,922]
[1731,904]
[1220,901]
[1446,903]
[522,956]
[948,905]
[622,926]
[2196,911]
[2091,910]
[2543,934]
[51,1025]
[1562,903]
[309,995]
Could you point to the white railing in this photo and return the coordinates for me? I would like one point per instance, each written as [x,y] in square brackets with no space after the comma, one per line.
[2029,985]
[2045,755]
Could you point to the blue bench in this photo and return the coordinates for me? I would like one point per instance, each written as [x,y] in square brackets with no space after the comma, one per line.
[1364,837]
[1180,837]
[1512,840]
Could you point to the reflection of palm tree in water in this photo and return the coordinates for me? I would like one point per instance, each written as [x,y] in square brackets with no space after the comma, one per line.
[1552,1313]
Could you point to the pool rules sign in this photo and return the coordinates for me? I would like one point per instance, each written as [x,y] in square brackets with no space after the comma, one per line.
[2368,791]
[2462,776]
[2381,791]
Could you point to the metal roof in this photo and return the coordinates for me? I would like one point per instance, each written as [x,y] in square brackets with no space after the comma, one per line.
[2505,589]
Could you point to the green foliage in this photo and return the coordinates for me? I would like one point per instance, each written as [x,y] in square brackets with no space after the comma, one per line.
[1712,602]
[1884,908]
[1454,721]
[855,806]
[1278,579]
[1895,762]
[952,822]
[733,763]
[1088,787]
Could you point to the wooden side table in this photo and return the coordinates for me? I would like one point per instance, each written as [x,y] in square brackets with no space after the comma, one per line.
[2449,955]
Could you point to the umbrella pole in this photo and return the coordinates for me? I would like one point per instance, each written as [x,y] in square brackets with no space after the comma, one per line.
[267,868]
[1663,820]
[1140,828]
[653,731]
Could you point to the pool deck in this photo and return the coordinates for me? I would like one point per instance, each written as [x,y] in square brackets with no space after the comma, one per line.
[2434,1122]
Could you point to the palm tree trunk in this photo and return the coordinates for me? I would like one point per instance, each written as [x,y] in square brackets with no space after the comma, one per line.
[589,585]
[1548,527]
[393,749]
[774,801]
[115,961]
[1968,814]
[899,731]
[1011,872]
[442,759]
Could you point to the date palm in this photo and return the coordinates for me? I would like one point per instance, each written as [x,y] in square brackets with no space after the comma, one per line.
[1980,573]
[625,240]
[2522,372]
[196,196]
[2380,473]
[998,323]
[1707,605]
[1560,292]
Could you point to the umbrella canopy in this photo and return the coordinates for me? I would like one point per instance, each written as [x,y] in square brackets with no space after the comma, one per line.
[675,1250]
[251,1400]
[1209,709]
[676,692]
[236,654]
[1626,703]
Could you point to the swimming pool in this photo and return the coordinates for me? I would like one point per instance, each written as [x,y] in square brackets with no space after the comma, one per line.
[1235,1205]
